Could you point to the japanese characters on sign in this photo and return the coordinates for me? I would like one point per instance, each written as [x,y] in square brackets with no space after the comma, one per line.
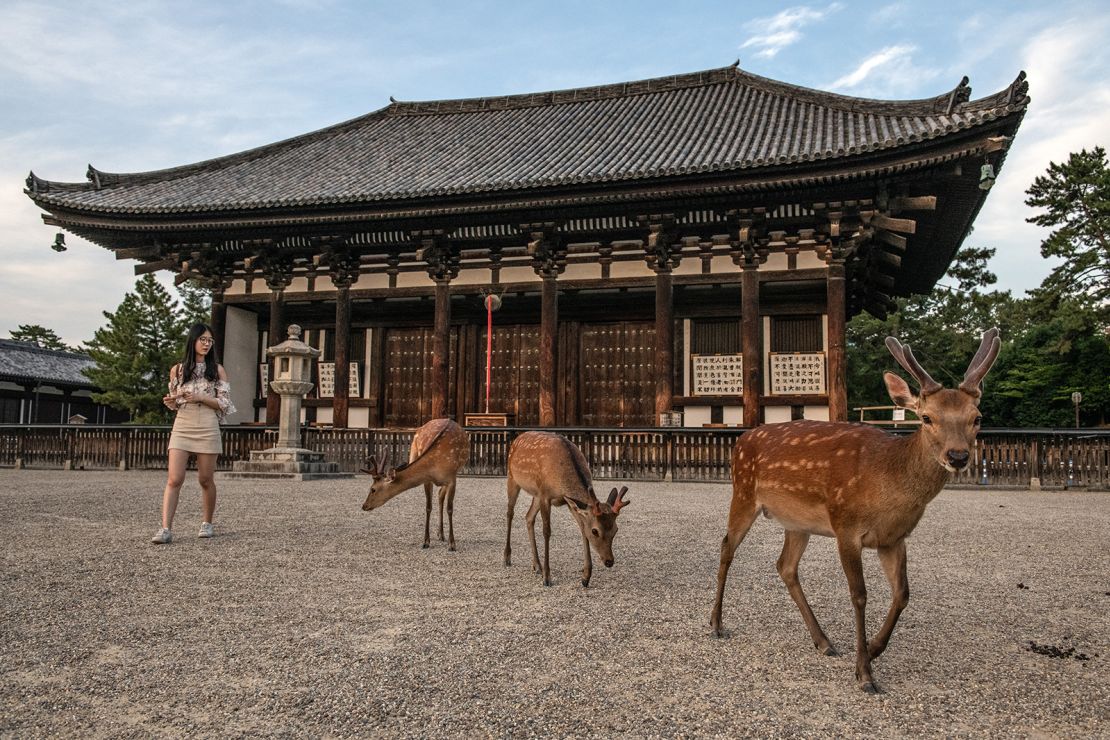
[325,372]
[264,376]
[797,373]
[717,375]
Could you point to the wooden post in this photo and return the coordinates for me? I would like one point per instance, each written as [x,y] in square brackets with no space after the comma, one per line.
[441,348]
[218,320]
[549,328]
[837,313]
[751,341]
[276,336]
[663,255]
[341,397]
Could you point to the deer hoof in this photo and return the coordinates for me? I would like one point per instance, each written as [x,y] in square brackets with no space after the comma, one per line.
[451,548]
[869,687]
[425,546]
[548,582]
[585,583]
[830,651]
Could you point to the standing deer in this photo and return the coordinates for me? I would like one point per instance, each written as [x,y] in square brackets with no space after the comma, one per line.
[551,468]
[863,486]
[439,450]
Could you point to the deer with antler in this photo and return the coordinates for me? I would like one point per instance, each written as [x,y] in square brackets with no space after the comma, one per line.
[439,450]
[551,468]
[863,486]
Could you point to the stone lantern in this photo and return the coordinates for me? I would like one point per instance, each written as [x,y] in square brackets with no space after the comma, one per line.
[292,370]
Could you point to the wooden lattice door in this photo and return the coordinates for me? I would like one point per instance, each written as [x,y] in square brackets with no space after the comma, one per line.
[616,372]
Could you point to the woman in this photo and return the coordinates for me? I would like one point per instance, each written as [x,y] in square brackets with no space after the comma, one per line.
[200,394]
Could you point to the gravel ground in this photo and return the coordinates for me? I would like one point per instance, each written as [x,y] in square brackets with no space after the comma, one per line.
[307,616]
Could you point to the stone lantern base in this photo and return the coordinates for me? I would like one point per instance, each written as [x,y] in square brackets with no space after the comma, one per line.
[285,463]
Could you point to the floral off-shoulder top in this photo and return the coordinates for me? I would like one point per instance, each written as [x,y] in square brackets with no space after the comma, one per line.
[221,389]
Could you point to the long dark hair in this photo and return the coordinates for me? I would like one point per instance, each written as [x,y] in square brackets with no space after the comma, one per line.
[189,363]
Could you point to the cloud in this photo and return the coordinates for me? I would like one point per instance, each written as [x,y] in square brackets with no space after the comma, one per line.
[889,72]
[779,31]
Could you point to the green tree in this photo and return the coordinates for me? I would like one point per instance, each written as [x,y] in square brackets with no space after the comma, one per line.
[1075,201]
[943,327]
[40,336]
[135,350]
[196,303]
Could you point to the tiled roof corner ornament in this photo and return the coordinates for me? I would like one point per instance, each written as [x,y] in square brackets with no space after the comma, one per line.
[959,96]
[93,176]
[36,184]
[1019,90]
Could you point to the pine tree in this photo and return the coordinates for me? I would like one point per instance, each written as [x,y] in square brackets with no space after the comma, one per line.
[40,336]
[135,350]
[196,303]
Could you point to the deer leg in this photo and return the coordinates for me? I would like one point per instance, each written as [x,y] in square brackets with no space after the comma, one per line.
[545,511]
[740,520]
[427,515]
[514,491]
[530,520]
[851,559]
[792,550]
[451,516]
[587,559]
[442,501]
[893,559]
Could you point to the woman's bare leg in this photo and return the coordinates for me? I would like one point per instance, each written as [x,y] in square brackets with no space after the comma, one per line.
[175,477]
[206,470]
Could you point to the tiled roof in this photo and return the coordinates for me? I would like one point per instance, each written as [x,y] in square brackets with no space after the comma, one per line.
[27,362]
[718,121]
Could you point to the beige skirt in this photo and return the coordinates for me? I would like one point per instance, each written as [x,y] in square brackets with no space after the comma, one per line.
[196,429]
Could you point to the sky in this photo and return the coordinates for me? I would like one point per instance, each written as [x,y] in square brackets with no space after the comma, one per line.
[143,85]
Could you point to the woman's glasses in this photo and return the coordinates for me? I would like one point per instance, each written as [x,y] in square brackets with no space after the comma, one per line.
[206,340]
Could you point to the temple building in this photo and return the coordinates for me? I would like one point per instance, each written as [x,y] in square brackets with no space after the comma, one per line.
[681,250]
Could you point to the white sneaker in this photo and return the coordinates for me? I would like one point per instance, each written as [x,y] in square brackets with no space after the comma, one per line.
[206,531]
[162,537]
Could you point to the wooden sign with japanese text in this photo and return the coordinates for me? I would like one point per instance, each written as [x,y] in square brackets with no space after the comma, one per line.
[797,373]
[717,375]
[325,372]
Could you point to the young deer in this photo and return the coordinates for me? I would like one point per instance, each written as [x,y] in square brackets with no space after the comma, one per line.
[858,484]
[551,468]
[439,450]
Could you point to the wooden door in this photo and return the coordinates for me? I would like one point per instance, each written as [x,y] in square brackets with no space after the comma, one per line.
[616,374]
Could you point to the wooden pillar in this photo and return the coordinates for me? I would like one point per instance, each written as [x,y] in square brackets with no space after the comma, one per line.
[218,321]
[549,259]
[441,349]
[663,255]
[341,399]
[837,313]
[276,336]
[752,342]
[442,265]
[549,359]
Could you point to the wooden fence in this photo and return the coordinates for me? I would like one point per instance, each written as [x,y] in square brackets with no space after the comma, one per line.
[1015,458]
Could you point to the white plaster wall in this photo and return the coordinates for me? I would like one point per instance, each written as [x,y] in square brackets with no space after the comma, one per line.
[240,361]
[370,282]
[776,262]
[690,265]
[518,275]
[480,276]
[776,414]
[817,413]
[630,269]
[733,415]
[324,415]
[237,287]
[695,416]
[358,418]
[4,385]
[323,282]
[298,285]
[809,260]
[414,280]
[582,272]
[722,265]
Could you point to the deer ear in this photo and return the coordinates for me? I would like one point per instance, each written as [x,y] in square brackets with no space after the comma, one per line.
[575,506]
[900,391]
[391,474]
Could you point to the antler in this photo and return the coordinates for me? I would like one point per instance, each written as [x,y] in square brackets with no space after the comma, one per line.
[981,362]
[371,466]
[905,358]
[616,499]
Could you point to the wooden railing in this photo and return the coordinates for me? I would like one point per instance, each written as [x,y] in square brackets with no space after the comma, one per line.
[1016,458]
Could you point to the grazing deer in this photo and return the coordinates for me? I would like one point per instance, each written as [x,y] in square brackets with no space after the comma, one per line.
[439,450]
[551,468]
[863,486]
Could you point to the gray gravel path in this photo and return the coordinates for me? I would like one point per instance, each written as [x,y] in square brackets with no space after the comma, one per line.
[307,616]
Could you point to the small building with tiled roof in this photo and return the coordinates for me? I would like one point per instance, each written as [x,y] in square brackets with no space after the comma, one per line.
[645,238]
[46,386]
